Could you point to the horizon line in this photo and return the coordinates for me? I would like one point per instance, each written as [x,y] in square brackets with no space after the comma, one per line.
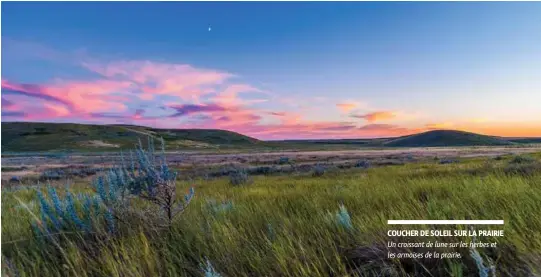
[292,139]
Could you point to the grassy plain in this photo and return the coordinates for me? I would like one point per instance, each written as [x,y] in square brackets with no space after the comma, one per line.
[284,224]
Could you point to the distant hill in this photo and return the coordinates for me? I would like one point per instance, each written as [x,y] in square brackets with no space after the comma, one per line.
[525,140]
[30,136]
[446,138]
[38,137]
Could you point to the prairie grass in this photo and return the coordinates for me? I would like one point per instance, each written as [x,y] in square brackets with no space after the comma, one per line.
[286,225]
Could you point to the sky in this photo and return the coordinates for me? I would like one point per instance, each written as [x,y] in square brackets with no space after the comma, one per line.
[276,70]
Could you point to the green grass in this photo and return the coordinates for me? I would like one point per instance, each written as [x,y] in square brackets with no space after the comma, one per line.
[302,240]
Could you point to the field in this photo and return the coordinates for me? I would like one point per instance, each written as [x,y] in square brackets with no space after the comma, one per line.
[281,215]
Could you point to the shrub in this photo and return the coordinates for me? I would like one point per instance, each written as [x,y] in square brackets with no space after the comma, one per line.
[484,270]
[216,208]
[283,160]
[318,170]
[271,234]
[61,214]
[209,270]
[342,218]
[239,176]
[522,160]
[151,181]
[83,171]
[448,161]
[523,165]
[390,162]
[262,170]
[523,169]
[303,168]
[362,164]
[52,174]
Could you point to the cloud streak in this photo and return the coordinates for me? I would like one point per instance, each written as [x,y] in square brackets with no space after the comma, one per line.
[376,116]
[188,109]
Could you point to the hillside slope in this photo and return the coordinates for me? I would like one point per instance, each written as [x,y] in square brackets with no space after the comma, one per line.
[439,138]
[29,136]
[37,137]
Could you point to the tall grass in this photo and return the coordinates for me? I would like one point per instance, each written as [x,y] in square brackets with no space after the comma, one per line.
[280,226]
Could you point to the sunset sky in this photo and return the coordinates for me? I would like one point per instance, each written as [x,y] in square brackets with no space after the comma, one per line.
[277,70]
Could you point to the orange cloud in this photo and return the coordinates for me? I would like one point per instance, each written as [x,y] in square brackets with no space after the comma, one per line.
[376,116]
[346,107]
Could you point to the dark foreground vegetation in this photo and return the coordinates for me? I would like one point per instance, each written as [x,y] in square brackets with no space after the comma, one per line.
[140,218]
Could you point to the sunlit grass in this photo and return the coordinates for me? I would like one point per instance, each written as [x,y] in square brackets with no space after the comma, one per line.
[281,225]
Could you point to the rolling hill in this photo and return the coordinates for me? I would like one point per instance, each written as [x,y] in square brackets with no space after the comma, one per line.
[439,138]
[38,137]
[30,136]
[435,138]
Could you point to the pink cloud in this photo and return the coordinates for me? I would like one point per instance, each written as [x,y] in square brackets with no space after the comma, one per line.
[181,80]
[78,97]
[377,116]
[346,107]
[198,98]
[22,108]
[93,96]
[280,114]
[95,100]
[56,110]
[230,95]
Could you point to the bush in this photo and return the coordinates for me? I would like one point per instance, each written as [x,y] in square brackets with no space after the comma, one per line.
[66,214]
[523,169]
[263,170]
[342,218]
[390,162]
[72,171]
[362,164]
[215,208]
[83,171]
[283,160]
[151,181]
[52,174]
[448,161]
[239,176]
[522,160]
[318,170]
[209,270]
